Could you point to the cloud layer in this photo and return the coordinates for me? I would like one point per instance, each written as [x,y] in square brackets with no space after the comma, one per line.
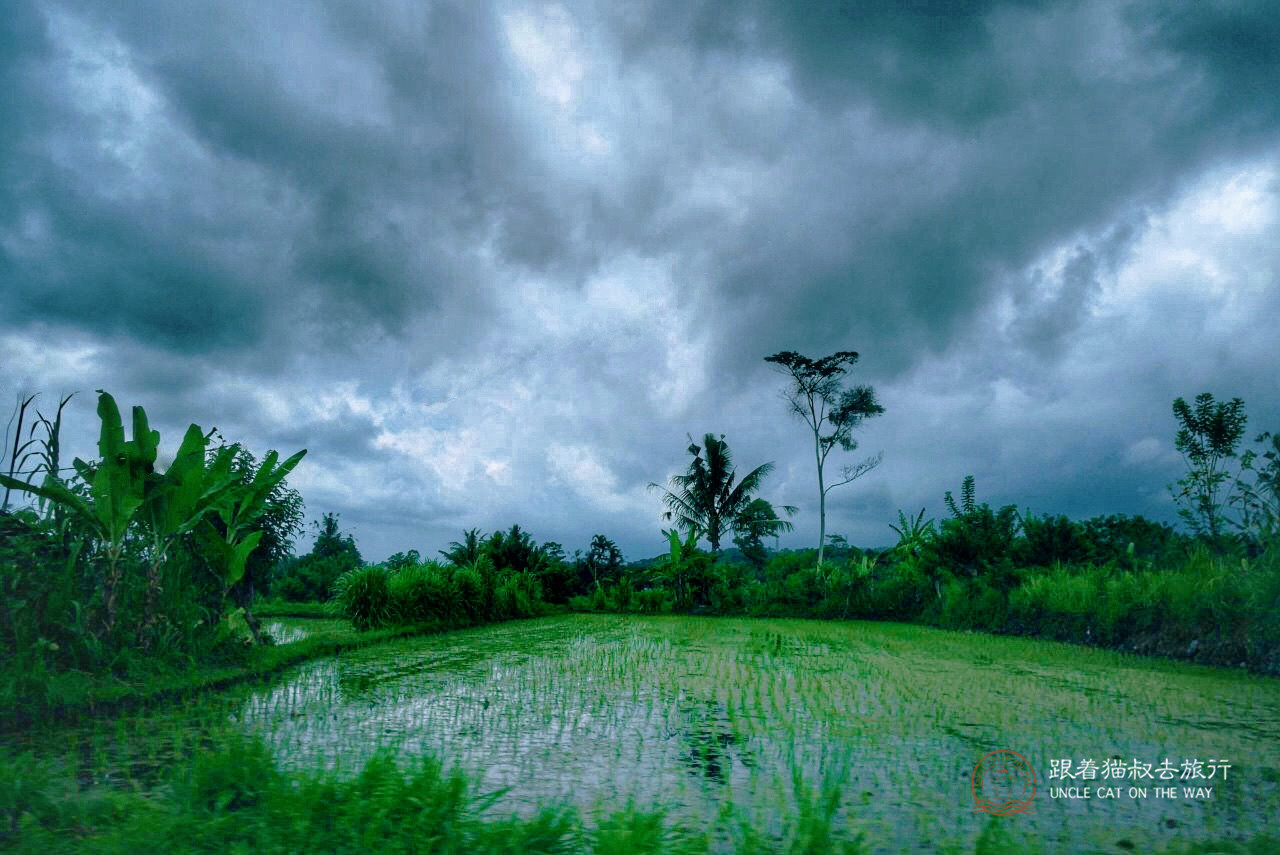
[490,263]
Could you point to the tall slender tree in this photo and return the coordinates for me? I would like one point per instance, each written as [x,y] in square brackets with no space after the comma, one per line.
[706,499]
[832,412]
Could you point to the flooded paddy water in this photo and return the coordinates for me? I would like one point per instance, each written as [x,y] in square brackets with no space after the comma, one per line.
[728,723]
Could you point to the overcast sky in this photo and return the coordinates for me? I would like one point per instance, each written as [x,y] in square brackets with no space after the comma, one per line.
[491,263]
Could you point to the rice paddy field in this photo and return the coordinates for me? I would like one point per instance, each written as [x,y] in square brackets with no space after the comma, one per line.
[740,729]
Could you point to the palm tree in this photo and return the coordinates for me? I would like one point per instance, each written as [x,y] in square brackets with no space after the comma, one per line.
[706,500]
[471,548]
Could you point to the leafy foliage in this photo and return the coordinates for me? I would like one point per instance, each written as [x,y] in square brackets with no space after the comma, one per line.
[976,541]
[280,522]
[466,551]
[683,570]
[514,550]
[1132,542]
[364,596]
[1258,489]
[757,521]
[408,591]
[311,577]
[124,567]
[708,501]
[1051,540]
[602,563]
[1207,438]
[914,534]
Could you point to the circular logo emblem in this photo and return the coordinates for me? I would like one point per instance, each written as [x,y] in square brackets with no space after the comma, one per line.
[1003,784]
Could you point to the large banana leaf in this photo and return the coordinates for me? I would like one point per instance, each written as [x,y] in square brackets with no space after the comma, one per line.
[239,506]
[180,498]
[118,485]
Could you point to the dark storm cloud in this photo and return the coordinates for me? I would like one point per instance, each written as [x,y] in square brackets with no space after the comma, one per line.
[493,262]
[1237,44]
[1026,134]
[1040,122]
[370,206]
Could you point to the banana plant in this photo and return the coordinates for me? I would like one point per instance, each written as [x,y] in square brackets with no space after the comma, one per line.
[237,509]
[188,491]
[44,450]
[674,568]
[117,486]
[125,490]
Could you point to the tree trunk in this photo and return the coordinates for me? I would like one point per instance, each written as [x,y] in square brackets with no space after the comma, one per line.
[822,499]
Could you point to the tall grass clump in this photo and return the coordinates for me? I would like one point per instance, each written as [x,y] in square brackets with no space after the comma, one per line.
[473,590]
[412,592]
[1217,608]
[364,596]
[420,593]
[236,799]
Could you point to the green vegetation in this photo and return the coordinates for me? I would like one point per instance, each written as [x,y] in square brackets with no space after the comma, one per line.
[1000,571]
[1207,439]
[310,578]
[125,571]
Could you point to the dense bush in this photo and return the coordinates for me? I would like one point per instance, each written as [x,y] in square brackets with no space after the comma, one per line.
[1134,541]
[1203,604]
[363,595]
[311,577]
[1224,610]
[1050,540]
[126,570]
[976,540]
[421,592]
[431,592]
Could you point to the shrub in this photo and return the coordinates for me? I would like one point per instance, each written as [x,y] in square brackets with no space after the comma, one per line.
[517,595]
[898,592]
[1134,542]
[970,604]
[1048,540]
[363,596]
[650,601]
[559,580]
[975,540]
[310,579]
[472,596]
[238,776]
[1059,604]
[802,590]
[731,588]
[411,592]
